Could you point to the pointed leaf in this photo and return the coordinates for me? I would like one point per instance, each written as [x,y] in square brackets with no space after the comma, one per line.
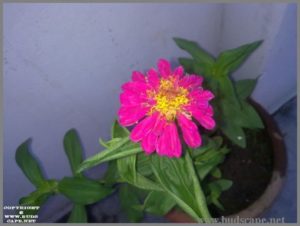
[249,118]
[158,203]
[73,149]
[245,87]
[122,149]
[230,60]
[82,190]
[199,54]
[28,164]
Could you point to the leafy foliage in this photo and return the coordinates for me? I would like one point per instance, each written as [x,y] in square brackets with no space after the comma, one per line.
[232,111]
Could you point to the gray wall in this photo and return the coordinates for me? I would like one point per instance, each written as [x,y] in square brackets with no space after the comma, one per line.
[64,64]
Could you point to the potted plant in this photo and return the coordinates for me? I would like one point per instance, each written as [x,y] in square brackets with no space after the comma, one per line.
[186,128]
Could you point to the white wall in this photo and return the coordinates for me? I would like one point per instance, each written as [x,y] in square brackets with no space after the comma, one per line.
[278,81]
[64,65]
[275,60]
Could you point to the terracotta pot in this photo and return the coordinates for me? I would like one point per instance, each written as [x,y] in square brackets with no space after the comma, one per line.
[262,204]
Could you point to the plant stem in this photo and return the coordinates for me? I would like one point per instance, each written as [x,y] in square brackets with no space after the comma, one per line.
[201,200]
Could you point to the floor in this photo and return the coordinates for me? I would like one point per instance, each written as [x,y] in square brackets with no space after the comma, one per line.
[286,204]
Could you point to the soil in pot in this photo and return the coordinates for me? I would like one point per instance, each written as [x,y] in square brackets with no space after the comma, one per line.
[250,170]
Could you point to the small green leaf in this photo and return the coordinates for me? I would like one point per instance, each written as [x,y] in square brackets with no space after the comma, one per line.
[216,172]
[209,160]
[78,214]
[230,60]
[224,184]
[249,118]
[199,54]
[158,203]
[122,149]
[245,87]
[73,149]
[128,200]
[119,131]
[28,164]
[235,133]
[82,190]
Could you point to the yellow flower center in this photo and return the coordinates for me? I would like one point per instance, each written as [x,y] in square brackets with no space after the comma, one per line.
[169,98]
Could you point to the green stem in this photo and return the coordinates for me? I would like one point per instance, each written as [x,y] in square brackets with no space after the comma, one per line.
[201,200]
[104,156]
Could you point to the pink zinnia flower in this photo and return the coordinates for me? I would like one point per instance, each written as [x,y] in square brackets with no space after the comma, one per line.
[157,100]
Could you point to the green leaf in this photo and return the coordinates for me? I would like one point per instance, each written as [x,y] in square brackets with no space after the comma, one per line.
[209,160]
[39,196]
[127,168]
[119,131]
[235,133]
[214,143]
[129,199]
[122,149]
[223,184]
[78,214]
[73,149]
[249,118]
[245,87]
[143,164]
[199,54]
[128,173]
[216,172]
[111,143]
[82,190]
[188,64]
[178,178]
[33,199]
[230,60]
[215,189]
[28,164]
[158,203]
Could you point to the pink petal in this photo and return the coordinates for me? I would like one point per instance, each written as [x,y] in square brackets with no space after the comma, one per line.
[129,115]
[178,72]
[203,116]
[201,95]
[148,142]
[138,87]
[138,77]
[164,68]
[190,131]
[131,98]
[143,128]
[169,143]
[191,81]
[153,78]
